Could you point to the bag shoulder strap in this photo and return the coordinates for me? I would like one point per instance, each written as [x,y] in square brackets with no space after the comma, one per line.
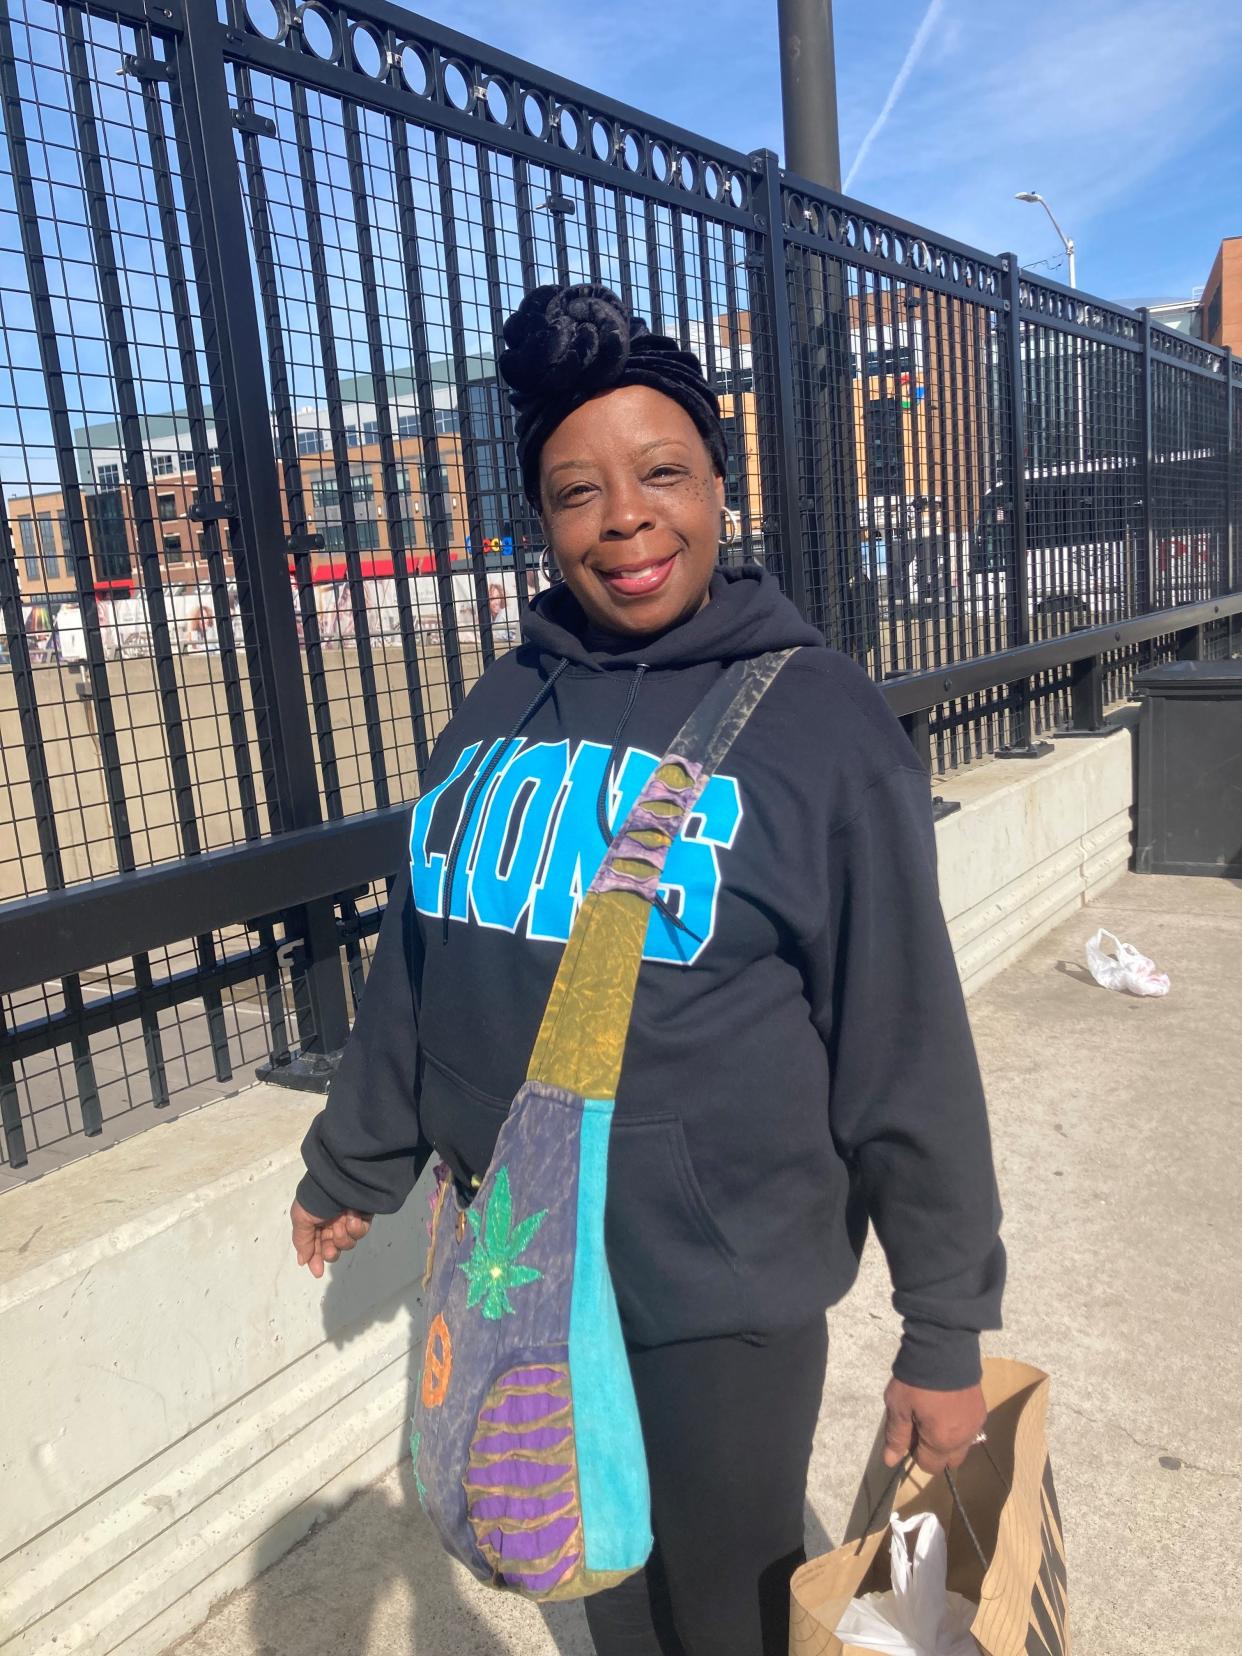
[635,859]
[581,1040]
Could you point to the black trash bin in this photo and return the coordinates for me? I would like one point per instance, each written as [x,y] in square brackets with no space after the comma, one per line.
[1190,769]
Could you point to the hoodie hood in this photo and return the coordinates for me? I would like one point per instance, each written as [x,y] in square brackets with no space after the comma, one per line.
[748,614]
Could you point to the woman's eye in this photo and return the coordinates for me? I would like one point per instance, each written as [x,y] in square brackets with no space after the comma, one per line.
[666,471]
[576,491]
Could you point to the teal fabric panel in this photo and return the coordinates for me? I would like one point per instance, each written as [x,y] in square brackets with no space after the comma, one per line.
[612,1463]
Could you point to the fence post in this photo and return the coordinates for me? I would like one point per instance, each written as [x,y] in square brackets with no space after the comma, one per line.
[1018,618]
[1231,507]
[234,347]
[1190,644]
[1086,698]
[1145,553]
[917,726]
[767,240]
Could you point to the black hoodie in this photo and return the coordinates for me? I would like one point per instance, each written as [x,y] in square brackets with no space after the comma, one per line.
[799,1057]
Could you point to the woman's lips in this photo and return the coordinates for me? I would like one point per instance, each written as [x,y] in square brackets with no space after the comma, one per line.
[639,580]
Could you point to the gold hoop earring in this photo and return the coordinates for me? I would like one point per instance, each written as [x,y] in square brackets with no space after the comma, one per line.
[729,527]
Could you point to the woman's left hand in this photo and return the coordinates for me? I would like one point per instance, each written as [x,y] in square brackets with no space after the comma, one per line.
[936,1427]
[318,1240]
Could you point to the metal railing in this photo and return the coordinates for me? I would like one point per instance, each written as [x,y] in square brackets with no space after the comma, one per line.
[260,516]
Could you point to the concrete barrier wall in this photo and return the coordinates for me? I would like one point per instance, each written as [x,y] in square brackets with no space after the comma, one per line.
[182,1404]
[1034,840]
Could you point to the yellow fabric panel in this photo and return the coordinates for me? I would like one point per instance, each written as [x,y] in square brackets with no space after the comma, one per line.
[582,1038]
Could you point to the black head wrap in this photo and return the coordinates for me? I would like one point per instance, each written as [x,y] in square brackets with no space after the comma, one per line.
[565,345]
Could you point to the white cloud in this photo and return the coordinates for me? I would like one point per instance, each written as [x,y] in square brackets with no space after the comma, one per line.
[1082,107]
[908,65]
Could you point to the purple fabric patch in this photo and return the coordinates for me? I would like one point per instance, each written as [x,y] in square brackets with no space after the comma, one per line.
[521,1506]
[626,848]
[533,1377]
[526,1474]
[545,1580]
[505,1443]
[520,1408]
[528,1545]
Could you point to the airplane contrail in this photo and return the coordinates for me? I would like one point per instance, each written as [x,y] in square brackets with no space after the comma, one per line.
[898,87]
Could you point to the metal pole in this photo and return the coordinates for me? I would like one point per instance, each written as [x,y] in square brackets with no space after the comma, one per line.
[1146,559]
[203,114]
[813,150]
[809,90]
[1018,597]
[1067,242]
[1233,574]
[767,247]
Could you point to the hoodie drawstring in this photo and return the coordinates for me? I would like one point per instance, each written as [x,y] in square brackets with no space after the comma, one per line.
[605,781]
[475,790]
[605,784]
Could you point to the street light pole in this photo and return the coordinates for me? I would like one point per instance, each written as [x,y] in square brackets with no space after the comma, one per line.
[1076,344]
[1066,241]
[829,505]
[809,90]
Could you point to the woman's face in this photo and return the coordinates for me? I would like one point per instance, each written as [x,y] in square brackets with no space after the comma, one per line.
[631,508]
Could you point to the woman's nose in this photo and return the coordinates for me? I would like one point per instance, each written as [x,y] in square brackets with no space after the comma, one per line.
[626,512]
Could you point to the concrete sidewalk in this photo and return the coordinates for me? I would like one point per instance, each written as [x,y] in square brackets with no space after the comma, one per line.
[1118,1129]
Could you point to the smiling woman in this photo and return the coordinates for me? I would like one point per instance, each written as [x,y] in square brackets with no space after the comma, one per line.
[671,891]
[631,503]
[623,456]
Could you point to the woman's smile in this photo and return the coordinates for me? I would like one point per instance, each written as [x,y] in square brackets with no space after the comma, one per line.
[638,579]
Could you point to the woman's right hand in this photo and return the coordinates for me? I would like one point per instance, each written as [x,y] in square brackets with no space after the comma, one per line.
[318,1240]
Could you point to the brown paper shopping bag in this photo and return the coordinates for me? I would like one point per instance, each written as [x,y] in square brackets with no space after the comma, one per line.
[1006,1510]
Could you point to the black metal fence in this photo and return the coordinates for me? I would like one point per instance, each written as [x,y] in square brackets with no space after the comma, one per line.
[260,523]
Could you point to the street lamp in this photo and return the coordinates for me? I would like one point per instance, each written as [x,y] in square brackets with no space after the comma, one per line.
[1077,345]
[1068,241]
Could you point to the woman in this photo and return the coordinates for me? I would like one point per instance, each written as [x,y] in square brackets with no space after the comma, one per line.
[799,1059]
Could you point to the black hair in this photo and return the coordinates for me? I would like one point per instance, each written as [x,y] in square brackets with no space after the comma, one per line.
[564,345]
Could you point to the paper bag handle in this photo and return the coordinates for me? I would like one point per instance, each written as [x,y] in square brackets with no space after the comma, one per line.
[961,1512]
[899,1472]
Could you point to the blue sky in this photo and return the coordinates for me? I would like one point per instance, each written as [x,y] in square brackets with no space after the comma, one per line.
[1125,114]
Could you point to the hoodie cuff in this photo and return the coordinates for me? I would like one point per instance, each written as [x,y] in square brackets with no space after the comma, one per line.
[938,1359]
[315,1199]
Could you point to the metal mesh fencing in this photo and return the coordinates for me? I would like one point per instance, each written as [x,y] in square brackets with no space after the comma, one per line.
[262,523]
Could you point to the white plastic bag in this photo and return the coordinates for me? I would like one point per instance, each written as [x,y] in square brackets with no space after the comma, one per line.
[917,1617]
[1127,971]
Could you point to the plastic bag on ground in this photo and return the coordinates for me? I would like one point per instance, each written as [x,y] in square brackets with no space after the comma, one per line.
[918,1617]
[1126,970]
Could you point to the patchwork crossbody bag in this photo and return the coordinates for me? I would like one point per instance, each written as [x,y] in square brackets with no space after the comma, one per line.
[527,1450]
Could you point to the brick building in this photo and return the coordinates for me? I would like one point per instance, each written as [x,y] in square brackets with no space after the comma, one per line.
[362,512]
[888,415]
[1221,305]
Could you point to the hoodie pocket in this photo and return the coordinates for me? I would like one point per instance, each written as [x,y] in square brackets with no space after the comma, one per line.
[675,1272]
[461,1121]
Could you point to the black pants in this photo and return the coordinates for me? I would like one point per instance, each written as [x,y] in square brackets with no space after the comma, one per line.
[728,1426]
